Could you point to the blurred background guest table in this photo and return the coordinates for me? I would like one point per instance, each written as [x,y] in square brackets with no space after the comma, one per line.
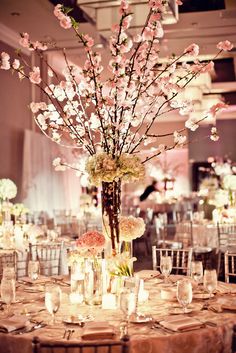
[213,333]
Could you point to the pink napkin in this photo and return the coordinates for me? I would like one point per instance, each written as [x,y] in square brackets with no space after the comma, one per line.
[98,330]
[13,323]
[181,324]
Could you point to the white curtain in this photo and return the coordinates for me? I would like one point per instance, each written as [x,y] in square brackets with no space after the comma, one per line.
[44,189]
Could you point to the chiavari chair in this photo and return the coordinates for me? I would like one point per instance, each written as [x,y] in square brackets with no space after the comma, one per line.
[181,259]
[7,259]
[230,265]
[48,256]
[102,346]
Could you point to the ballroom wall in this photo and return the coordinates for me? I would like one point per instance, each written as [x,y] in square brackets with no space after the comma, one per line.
[15,117]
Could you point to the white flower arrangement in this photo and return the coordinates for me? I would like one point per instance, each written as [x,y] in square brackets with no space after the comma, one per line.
[221,198]
[19,209]
[101,167]
[121,264]
[229,182]
[8,189]
[131,228]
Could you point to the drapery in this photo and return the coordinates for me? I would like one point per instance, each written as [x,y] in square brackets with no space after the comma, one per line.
[43,188]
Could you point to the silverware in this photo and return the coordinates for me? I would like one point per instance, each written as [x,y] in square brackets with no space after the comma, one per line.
[28,329]
[65,332]
[70,333]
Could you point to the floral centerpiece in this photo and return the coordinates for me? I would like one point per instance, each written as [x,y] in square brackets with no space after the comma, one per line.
[114,118]
[89,245]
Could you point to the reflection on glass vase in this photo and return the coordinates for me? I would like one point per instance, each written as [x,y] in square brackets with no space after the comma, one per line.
[77,282]
[93,282]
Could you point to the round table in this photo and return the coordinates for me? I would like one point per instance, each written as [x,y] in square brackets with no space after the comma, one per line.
[144,338]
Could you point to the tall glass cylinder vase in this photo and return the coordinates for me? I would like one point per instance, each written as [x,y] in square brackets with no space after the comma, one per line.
[111,205]
[93,284]
[77,281]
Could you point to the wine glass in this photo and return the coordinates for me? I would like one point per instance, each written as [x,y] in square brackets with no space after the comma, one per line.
[127,305]
[196,271]
[210,281]
[7,292]
[166,267]
[184,293]
[52,299]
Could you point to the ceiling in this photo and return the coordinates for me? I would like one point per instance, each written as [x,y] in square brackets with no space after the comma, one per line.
[205,22]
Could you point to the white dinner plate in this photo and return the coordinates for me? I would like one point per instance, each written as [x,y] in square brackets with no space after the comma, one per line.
[140,319]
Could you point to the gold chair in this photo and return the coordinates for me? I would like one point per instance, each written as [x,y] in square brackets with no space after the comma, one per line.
[230,265]
[103,346]
[181,259]
[48,257]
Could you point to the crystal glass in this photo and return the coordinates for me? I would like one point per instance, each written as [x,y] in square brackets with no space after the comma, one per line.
[33,270]
[7,292]
[166,266]
[197,271]
[210,281]
[52,299]
[127,305]
[184,293]
[93,283]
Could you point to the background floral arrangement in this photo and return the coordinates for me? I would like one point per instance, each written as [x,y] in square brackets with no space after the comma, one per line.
[8,189]
[131,228]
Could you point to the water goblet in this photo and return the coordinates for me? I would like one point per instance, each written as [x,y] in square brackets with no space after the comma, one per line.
[196,271]
[166,267]
[7,292]
[210,281]
[184,293]
[52,299]
[127,305]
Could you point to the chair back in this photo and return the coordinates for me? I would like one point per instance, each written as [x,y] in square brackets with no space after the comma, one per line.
[184,233]
[7,259]
[227,237]
[181,259]
[103,346]
[48,257]
[230,265]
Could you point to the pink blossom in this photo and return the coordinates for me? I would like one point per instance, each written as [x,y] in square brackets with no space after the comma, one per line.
[148,34]
[216,107]
[24,41]
[179,2]
[58,12]
[159,33]
[192,49]
[91,239]
[208,68]
[226,45]
[16,64]
[115,28]
[124,6]
[156,4]
[126,22]
[39,45]
[89,40]
[156,16]
[65,22]
[214,134]
[5,64]
[35,107]
[50,72]
[34,76]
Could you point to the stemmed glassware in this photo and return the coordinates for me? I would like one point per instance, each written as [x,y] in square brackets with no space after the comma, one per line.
[166,267]
[184,293]
[33,270]
[197,271]
[127,305]
[8,292]
[52,299]
[210,281]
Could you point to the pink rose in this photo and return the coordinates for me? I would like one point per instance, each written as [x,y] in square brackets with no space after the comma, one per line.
[226,45]
[192,49]
[178,2]
[156,4]
[34,76]
[65,22]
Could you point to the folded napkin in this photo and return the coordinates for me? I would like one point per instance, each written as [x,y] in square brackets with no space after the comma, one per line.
[181,324]
[13,323]
[224,288]
[229,306]
[148,274]
[98,330]
[40,280]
